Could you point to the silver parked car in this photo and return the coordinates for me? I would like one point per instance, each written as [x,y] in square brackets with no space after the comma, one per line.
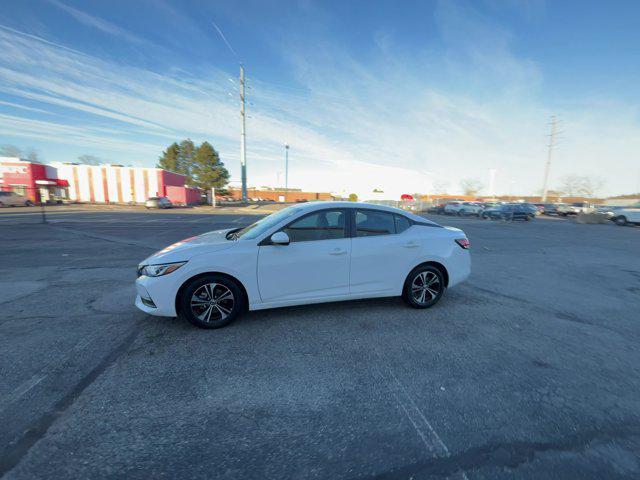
[158,202]
[9,199]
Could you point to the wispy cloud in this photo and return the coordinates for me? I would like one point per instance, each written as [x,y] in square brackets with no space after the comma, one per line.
[99,23]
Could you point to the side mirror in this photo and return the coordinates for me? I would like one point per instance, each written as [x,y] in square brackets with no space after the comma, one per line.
[280,238]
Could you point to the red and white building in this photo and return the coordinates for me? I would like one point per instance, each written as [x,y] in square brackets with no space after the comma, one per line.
[116,184]
[94,184]
[32,180]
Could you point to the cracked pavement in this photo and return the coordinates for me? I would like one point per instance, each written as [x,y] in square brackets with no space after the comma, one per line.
[529,370]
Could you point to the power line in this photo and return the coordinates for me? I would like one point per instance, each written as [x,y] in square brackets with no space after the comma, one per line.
[226,42]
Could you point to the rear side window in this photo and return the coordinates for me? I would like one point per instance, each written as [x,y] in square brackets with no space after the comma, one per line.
[402,223]
[323,225]
[369,223]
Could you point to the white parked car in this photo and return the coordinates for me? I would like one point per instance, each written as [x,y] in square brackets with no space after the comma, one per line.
[625,215]
[453,208]
[306,253]
[565,209]
[158,202]
[9,199]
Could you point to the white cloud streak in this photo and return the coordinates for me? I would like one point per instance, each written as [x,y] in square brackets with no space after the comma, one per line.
[99,23]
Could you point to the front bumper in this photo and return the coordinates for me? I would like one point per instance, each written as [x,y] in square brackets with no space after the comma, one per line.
[157,295]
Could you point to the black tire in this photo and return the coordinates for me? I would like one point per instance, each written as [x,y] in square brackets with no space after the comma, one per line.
[621,220]
[484,216]
[28,203]
[434,277]
[197,307]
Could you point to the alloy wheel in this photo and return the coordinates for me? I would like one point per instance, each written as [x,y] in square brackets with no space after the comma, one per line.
[425,287]
[212,302]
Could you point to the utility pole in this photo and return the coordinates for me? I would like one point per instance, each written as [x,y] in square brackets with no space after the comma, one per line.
[286,171]
[552,141]
[243,143]
[492,181]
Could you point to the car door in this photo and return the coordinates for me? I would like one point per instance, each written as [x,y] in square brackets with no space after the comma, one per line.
[383,247]
[314,265]
[633,214]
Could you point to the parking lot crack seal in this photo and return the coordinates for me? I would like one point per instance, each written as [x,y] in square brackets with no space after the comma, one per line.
[13,454]
[109,238]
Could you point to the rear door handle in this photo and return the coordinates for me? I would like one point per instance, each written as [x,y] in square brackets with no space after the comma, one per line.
[411,245]
[337,251]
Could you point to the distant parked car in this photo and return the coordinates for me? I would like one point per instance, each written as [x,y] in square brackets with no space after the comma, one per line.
[437,208]
[453,208]
[471,208]
[531,207]
[10,199]
[608,211]
[625,215]
[548,208]
[573,209]
[513,211]
[542,207]
[158,202]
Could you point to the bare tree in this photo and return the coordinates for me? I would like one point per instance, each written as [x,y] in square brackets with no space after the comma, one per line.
[470,186]
[570,185]
[10,151]
[590,185]
[33,155]
[89,160]
[573,185]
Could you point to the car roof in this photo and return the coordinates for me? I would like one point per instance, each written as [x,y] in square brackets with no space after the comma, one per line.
[312,206]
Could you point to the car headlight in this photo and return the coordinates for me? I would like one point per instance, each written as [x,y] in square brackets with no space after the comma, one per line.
[159,270]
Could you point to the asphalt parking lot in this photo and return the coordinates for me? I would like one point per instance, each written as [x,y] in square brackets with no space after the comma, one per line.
[529,370]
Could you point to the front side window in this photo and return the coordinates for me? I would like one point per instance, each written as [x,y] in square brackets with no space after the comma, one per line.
[261,226]
[323,225]
[370,222]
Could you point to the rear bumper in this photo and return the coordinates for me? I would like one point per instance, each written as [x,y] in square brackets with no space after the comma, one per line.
[459,267]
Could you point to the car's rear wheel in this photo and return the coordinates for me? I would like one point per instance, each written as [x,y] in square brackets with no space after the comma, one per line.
[621,220]
[213,301]
[423,287]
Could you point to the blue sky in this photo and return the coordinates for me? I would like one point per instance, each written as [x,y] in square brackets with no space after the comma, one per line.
[402,96]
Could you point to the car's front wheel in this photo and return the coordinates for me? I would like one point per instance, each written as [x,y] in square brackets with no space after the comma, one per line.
[213,301]
[423,287]
[621,220]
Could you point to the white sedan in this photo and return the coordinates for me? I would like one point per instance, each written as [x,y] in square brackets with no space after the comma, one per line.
[308,253]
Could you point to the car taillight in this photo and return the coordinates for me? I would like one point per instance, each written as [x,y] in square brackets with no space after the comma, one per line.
[463,242]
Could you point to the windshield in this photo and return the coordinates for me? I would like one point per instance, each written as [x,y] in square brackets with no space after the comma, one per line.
[256,229]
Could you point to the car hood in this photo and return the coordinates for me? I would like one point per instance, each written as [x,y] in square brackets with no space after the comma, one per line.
[189,247]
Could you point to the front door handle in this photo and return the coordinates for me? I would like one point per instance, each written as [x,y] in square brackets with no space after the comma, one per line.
[337,251]
[411,244]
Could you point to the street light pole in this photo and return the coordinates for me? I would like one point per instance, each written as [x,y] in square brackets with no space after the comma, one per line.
[286,172]
[552,140]
[243,143]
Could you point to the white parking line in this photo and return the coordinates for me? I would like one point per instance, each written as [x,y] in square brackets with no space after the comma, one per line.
[430,438]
